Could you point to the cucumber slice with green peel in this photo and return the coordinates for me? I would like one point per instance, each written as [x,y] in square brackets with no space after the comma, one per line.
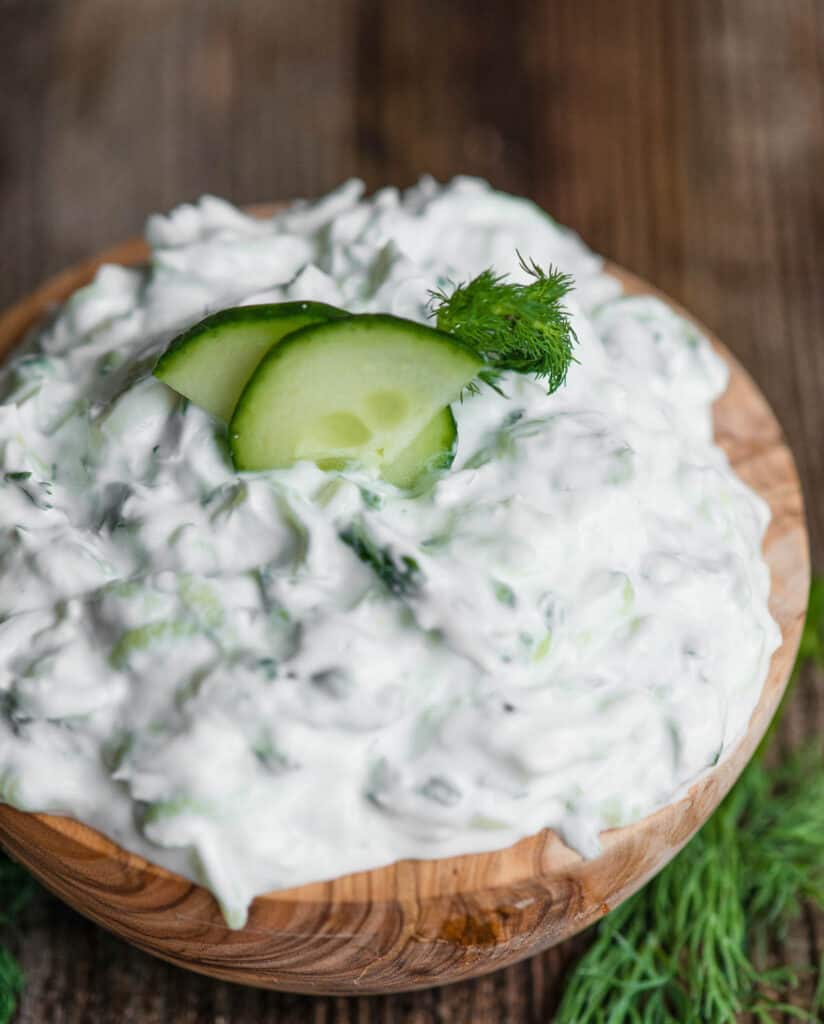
[212,361]
[360,389]
[433,449]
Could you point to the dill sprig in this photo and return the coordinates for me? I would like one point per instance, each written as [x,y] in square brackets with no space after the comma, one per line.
[16,889]
[11,985]
[690,947]
[520,327]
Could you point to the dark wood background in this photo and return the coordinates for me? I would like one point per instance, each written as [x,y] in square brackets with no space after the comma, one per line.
[683,138]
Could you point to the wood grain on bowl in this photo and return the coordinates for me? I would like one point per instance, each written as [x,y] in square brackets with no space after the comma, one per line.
[414,924]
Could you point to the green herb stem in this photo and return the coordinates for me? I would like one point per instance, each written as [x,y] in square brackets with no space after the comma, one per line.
[16,889]
[399,573]
[520,327]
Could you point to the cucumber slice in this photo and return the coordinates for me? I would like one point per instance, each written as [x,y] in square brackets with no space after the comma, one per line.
[360,389]
[212,361]
[431,450]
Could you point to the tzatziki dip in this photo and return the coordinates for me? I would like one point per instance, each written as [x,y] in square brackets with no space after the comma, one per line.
[569,625]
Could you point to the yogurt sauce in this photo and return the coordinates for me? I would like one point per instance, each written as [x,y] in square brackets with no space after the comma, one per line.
[192,661]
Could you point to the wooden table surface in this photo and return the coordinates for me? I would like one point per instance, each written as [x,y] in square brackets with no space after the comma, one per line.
[683,138]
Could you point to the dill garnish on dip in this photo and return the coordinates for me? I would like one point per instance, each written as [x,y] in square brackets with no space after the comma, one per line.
[512,326]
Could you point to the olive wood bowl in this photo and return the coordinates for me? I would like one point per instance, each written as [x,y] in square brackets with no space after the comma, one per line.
[418,923]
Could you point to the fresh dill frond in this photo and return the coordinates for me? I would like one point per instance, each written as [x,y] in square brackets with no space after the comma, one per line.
[811,648]
[520,327]
[16,889]
[11,985]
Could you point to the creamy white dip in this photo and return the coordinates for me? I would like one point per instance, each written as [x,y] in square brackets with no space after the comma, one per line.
[192,661]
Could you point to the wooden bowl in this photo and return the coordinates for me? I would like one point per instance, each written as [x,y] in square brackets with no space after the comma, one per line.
[415,924]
